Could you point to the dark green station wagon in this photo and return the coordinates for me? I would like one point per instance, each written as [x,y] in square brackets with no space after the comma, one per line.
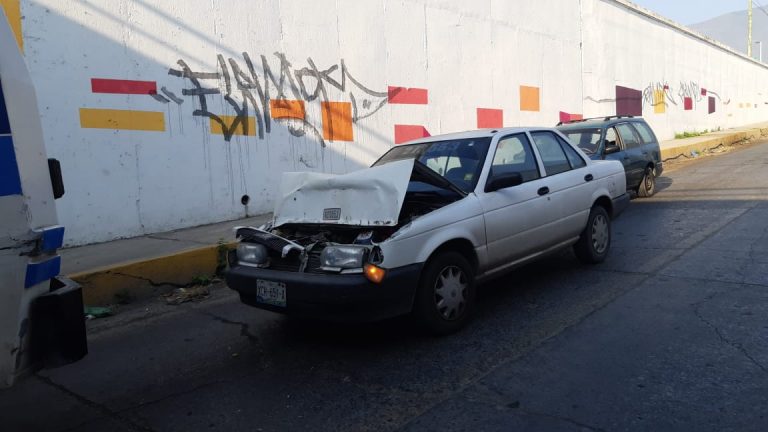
[626,139]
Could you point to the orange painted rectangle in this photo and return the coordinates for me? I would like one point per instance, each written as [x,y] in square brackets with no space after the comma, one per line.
[529,98]
[284,108]
[337,121]
[229,121]
[93,118]
[13,13]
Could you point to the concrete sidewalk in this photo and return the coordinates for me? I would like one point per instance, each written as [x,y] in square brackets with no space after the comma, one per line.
[673,149]
[126,269]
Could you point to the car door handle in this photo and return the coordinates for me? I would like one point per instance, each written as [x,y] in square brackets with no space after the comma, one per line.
[544,190]
[588,177]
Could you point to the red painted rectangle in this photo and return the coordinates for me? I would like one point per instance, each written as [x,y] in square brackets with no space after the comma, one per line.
[568,117]
[403,95]
[405,133]
[115,86]
[703,92]
[490,118]
[688,103]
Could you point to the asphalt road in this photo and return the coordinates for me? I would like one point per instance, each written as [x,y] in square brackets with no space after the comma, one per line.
[670,333]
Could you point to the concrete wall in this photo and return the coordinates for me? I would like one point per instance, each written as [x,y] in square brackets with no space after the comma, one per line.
[168,114]
[639,63]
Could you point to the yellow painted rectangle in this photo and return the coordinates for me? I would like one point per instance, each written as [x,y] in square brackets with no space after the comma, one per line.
[229,121]
[13,12]
[93,118]
[659,102]
[530,98]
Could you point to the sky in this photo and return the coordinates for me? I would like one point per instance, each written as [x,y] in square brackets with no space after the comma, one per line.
[695,11]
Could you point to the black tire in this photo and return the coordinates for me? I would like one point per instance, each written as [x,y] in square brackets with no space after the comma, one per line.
[647,186]
[595,241]
[458,300]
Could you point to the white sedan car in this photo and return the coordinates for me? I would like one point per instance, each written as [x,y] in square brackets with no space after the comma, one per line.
[429,220]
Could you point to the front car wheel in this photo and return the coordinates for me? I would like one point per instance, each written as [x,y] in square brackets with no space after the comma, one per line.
[446,294]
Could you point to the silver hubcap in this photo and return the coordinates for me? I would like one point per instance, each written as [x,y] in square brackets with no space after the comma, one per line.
[600,234]
[450,288]
[649,180]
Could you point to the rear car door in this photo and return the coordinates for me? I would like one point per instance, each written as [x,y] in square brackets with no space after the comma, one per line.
[569,182]
[517,217]
[634,152]
[650,145]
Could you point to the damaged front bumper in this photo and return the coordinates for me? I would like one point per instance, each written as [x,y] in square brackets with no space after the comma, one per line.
[332,297]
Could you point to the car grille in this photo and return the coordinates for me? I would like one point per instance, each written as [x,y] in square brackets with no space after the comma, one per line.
[292,263]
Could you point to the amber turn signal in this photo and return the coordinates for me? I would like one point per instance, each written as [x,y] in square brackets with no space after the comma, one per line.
[373,273]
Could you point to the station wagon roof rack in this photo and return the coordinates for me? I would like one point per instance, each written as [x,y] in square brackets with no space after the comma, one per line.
[606,118]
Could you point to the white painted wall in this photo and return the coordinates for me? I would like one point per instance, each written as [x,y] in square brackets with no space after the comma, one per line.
[627,47]
[468,55]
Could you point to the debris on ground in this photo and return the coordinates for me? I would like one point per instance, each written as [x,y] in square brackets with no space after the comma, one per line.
[183,295]
[92,312]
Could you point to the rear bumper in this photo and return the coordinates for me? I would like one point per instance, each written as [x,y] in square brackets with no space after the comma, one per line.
[659,168]
[620,203]
[333,297]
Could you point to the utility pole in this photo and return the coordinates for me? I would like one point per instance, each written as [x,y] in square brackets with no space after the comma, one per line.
[749,29]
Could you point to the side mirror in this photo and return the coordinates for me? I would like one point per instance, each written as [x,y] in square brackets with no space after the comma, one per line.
[503,181]
[611,148]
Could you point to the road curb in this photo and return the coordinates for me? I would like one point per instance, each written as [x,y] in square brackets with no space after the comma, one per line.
[704,143]
[151,277]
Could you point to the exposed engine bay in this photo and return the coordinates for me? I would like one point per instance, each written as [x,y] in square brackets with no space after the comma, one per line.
[304,247]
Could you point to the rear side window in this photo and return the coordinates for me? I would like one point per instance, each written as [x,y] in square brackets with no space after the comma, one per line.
[514,154]
[646,134]
[552,154]
[628,136]
[573,157]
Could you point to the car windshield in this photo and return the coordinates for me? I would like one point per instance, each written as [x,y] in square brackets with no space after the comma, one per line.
[588,140]
[458,161]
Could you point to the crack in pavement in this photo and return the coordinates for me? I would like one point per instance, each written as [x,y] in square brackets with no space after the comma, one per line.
[245,330]
[95,406]
[735,345]
[150,281]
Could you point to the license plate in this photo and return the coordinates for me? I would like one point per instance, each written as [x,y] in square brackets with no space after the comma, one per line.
[270,292]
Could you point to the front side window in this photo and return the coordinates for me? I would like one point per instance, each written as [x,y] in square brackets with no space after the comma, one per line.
[628,135]
[552,155]
[611,137]
[458,161]
[514,154]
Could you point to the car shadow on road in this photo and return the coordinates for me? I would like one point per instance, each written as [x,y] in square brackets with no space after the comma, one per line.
[519,290]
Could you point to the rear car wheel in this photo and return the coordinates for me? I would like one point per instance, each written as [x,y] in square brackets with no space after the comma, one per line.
[648,186]
[595,240]
[446,294]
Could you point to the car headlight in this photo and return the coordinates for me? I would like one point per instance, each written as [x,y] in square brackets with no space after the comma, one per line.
[342,257]
[252,254]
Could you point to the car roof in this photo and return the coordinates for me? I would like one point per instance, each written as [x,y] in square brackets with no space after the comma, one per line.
[598,122]
[479,133]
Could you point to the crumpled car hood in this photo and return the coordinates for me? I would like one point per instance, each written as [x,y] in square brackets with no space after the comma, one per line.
[369,197]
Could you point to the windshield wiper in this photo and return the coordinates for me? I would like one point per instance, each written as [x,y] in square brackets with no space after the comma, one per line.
[436,178]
